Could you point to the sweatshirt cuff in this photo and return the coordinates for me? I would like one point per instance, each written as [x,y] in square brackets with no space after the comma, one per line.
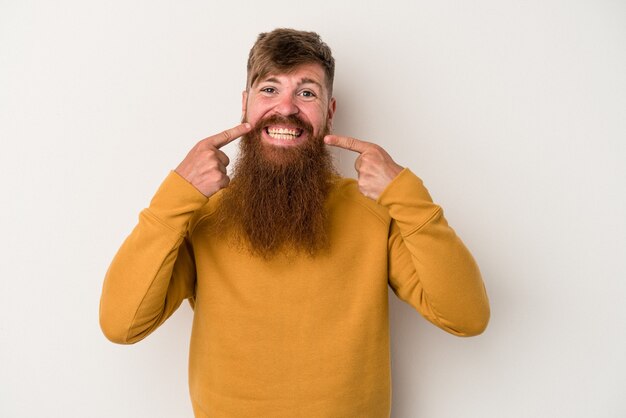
[404,185]
[175,202]
[408,200]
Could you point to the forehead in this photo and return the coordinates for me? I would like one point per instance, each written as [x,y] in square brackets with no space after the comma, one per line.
[304,73]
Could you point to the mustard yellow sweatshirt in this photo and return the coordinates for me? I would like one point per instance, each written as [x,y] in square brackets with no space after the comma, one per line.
[293,337]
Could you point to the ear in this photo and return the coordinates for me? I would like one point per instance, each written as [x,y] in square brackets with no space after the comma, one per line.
[244,103]
[332,106]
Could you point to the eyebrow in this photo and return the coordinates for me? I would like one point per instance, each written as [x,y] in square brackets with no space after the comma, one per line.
[310,81]
[304,80]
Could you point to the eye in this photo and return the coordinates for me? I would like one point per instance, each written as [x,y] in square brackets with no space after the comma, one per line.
[268,90]
[308,94]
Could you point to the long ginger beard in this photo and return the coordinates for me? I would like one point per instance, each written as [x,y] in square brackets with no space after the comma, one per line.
[275,201]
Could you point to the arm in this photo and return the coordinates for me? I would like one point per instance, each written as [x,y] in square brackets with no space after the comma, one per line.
[154,270]
[429,267]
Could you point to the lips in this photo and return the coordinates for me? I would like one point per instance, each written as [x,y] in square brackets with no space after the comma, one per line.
[284,131]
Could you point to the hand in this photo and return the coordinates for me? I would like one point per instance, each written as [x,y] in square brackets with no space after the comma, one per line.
[374,166]
[205,165]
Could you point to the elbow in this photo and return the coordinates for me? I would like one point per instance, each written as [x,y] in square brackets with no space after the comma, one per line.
[475,324]
[477,313]
[114,326]
[113,332]
[476,327]
[119,335]
[110,323]
[124,329]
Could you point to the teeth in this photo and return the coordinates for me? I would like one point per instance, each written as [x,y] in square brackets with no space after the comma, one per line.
[283,133]
[286,137]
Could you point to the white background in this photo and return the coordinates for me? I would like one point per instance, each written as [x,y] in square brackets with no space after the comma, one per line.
[512,112]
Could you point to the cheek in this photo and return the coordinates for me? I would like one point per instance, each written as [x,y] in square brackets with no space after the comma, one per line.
[319,120]
[252,116]
[257,110]
[316,114]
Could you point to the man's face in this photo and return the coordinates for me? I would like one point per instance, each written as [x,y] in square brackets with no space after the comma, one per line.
[276,198]
[291,107]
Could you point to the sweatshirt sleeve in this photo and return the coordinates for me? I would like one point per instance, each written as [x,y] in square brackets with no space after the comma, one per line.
[154,269]
[429,266]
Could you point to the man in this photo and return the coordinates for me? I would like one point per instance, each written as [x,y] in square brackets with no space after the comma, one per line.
[288,265]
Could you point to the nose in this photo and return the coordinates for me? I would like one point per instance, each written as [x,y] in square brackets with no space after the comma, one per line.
[287,105]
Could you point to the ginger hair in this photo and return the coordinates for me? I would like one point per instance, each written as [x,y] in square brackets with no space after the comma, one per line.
[282,50]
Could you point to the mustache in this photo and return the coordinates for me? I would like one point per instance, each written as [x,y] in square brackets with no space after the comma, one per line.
[291,120]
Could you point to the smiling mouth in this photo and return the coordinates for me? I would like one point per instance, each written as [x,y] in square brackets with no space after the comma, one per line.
[287,134]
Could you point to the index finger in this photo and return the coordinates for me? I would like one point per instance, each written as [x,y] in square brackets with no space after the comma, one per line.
[229,135]
[348,143]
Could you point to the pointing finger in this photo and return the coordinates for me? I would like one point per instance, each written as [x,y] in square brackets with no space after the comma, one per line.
[229,135]
[347,142]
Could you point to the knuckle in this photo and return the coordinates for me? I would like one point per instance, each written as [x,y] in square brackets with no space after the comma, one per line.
[212,165]
[226,135]
[214,176]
